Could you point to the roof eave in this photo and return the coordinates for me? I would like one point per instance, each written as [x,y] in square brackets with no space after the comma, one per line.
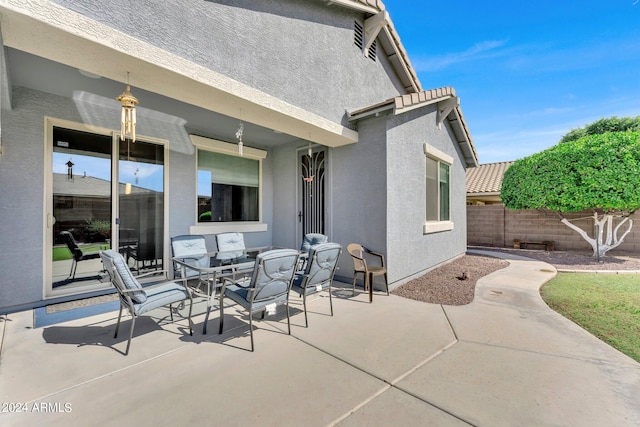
[463,137]
[390,40]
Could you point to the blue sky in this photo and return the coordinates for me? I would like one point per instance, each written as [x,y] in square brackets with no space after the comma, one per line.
[526,72]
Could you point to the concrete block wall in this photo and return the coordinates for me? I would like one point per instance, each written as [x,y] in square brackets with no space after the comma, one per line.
[494,225]
[486,225]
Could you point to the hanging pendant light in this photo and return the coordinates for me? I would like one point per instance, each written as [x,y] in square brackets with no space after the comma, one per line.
[128,116]
[239,136]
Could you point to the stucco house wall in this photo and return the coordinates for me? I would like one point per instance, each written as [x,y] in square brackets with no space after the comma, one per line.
[360,192]
[301,53]
[410,250]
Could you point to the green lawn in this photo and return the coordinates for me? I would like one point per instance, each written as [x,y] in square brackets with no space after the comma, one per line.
[607,305]
[62,252]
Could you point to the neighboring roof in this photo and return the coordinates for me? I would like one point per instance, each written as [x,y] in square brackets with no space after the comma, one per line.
[448,108]
[486,179]
[88,186]
[389,40]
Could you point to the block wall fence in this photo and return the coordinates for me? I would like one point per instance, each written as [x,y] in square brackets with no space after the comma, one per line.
[497,226]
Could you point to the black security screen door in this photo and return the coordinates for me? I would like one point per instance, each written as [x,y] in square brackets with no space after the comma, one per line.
[312,177]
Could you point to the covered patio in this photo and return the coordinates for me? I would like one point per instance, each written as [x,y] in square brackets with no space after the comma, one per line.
[505,359]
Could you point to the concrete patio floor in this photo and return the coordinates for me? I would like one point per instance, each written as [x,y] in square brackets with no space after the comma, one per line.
[505,359]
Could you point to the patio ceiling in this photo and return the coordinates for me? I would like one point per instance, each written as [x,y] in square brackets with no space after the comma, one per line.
[50,44]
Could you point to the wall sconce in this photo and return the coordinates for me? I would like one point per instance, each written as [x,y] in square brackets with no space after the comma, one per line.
[128,117]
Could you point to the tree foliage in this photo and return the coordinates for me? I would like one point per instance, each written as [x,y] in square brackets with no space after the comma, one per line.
[611,124]
[600,171]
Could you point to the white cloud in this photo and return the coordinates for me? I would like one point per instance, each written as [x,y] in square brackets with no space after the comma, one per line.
[481,50]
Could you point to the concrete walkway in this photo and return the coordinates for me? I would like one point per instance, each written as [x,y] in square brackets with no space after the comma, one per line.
[505,359]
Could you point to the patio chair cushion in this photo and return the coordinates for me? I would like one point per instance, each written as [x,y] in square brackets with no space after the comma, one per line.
[270,281]
[231,243]
[160,295]
[191,248]
[128,280]
[240,295]
[310,240]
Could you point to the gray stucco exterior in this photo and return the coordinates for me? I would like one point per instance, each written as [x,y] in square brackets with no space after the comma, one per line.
[299,52]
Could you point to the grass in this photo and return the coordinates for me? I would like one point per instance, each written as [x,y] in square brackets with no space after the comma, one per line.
[607,305]
[62,252]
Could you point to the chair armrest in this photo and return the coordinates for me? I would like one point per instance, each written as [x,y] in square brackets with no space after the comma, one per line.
[164,272]
[243,283]
[130,291]
[155,285]
[376,254]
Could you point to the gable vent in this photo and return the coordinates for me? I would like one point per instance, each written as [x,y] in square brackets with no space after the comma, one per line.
[358,40]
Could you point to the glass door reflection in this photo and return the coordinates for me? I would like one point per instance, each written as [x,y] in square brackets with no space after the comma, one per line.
[141,204]
[82,206]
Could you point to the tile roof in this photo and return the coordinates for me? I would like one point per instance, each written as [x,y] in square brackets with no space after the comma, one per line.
[412,99]
[402,103]
[373,3]
[486,178]
[88,186]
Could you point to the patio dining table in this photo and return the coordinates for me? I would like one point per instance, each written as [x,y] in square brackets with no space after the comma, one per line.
[212,267]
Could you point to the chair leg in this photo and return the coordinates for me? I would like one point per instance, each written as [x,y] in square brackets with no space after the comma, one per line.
[190,322]
[355,276]
[118,324]
[370,288]
[72,272]
[221,315]
[386,283]
[304,304]
[171,311]
[288,317]
[133,324]
[330,300]
[251,328]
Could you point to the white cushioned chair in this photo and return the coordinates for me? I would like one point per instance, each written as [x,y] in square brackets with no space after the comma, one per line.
[138,300]
[267,288]
[318,274]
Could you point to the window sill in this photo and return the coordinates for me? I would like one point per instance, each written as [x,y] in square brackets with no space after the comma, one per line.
[227,227]
[437,227]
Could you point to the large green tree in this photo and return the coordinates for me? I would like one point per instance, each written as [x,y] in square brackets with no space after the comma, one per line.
[604,125]
[600,173]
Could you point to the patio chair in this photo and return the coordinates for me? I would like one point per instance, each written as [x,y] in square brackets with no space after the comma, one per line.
[232,244]
[138,300]
[309,241]
[77,253]
[232,249]
[359,254]
[318,274]
[192,248]
[267,288]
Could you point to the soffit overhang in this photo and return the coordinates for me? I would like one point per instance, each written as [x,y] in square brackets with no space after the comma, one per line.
[53,32]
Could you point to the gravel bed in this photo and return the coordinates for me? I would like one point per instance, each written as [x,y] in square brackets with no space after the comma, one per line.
[454,283]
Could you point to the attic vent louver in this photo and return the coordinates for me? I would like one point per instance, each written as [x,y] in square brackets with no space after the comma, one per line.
[359,40]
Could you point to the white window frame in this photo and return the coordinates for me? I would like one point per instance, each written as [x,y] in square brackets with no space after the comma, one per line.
[439,156]
[208,144]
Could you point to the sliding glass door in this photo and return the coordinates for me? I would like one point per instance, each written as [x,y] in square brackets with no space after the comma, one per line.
[104,194]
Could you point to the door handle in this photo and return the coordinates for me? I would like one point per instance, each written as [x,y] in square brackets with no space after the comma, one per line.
[300,216]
